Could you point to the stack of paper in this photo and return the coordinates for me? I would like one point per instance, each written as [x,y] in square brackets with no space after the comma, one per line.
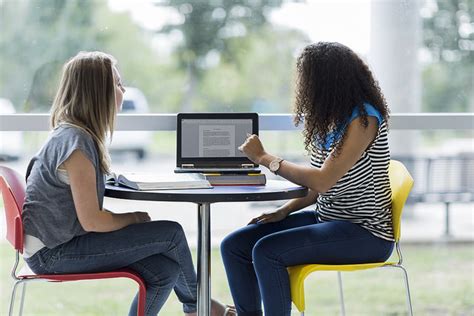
[150,182]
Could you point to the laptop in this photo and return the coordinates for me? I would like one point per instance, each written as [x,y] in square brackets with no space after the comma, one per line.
[208,142]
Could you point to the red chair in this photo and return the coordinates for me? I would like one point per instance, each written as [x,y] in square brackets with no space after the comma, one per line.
[13,192]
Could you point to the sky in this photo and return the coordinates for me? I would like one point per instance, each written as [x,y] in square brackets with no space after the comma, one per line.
[347,21]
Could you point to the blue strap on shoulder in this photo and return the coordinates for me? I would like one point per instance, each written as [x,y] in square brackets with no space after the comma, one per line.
[371,111]
[336,135]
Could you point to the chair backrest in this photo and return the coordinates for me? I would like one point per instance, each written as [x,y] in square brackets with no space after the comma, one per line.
[12,186]
[401,183]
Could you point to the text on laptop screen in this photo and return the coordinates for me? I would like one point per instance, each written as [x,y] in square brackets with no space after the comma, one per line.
[213,137]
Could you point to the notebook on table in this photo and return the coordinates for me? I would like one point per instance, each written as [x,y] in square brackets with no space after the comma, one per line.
[208,142]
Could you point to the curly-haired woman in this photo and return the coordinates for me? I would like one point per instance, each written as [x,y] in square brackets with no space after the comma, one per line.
[345,128]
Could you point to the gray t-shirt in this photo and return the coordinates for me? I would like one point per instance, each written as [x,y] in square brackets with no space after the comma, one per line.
[49,213]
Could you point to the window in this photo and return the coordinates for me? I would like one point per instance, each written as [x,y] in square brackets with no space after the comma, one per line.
[221,56]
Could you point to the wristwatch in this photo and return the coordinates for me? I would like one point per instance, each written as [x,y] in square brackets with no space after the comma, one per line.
[275,165]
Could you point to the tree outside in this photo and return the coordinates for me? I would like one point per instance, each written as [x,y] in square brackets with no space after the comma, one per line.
[448,43]
[224,55]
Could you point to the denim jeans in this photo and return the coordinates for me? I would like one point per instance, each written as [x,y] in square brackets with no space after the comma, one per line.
[256,257]
[157,250]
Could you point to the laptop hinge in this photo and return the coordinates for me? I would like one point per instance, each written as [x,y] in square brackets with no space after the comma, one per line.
[187,165]
[248,165]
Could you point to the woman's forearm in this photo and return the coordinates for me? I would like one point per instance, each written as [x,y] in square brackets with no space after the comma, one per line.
[312,178]
[107,221]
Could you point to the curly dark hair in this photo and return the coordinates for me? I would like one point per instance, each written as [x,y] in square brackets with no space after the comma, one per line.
[331,81]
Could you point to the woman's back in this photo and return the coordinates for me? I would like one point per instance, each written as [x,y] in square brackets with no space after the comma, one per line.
[362,195]
[49,212]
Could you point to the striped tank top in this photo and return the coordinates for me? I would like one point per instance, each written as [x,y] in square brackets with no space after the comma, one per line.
[362,196]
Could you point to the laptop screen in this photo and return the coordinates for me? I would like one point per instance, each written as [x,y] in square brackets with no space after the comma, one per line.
[208,139]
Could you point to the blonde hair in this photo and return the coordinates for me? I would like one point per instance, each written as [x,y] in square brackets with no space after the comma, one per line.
[86,99]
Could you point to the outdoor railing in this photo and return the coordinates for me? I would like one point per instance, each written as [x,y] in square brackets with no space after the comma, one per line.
[268,122]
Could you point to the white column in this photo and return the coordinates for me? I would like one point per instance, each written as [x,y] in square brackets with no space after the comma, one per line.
[393,58]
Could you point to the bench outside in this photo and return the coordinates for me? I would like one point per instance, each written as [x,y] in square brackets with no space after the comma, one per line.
[443,179]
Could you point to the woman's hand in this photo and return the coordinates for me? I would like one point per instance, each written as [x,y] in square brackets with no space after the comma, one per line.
[141,217]
[253,148]
[269,217]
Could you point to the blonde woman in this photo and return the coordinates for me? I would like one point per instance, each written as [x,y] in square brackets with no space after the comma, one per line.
[67,230]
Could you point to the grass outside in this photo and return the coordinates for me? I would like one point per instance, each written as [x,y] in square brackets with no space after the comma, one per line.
[441,279]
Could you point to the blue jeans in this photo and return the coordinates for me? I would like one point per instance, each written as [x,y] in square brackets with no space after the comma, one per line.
[157,250]
[256,257]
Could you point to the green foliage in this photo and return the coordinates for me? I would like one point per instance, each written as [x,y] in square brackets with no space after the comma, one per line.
[447,30]
[447,87]
[229,59]
[448,35]
[260,76]
[210,25]
[38,36]
[140,64]
[251,68]
[213,30]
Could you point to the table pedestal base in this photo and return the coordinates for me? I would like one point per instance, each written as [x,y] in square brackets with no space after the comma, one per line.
[204,260]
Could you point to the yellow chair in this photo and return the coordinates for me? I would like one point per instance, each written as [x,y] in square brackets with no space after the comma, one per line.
[401,183]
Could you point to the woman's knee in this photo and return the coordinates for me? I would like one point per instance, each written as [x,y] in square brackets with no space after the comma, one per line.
[169,225]
[242,241]
[228,244]
[262,251]
[236,241]
[174,227]
[160,225]
[169,228]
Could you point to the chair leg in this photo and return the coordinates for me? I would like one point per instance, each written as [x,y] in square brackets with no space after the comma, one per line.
[407,287]
[12,299]
[22,298]
[341,293]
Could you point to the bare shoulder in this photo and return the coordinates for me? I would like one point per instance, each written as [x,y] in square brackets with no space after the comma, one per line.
[358,133]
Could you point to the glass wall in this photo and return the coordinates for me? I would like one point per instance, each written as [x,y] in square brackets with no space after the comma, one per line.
[185,56]
[237,56]
[233,56]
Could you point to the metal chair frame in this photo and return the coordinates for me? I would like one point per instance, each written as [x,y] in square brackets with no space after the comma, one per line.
[299,273]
